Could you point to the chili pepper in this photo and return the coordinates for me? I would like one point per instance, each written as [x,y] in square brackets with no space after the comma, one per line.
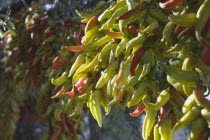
[202,15]
[156,133]
[176,96]
[119,95]
[161,100]
[139,93]
[69,106]
[182,76]
[59,94]
[117,35]
[121,47]
[116,14]
[105,100]
[60,80]
[148,123]
[174,109]
[131,4]
[132,81]
[64,123]
[153,24]
[147,62]
[190,116]
[171,4]
[185,20]
[75,48]
[138,109]
[91,34]
[187,31]
[199,98]
[78,62]
[138,8]
[78,108]
[168,30]
[133,30]
[106,75]
[198,128]
[78,34]
[56,134]
[166,130]
[58,64]
[134,42]
[189,103]
[118,5]
[158,14]
[57,113]
[91,24]
[205,58]
[136,59]
[206,114]
[106,14]
[178,30]
[164,111]
[102,41]
[91,65]
[70,123]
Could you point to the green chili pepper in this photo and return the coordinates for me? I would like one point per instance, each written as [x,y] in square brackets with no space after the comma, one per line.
[156,133]
[147,62]
[91,65]
[60,80]
[91,34]
[161,100]
[102,41]
[168,30]
[131,4]
[57,113]
[106,49]
[190,116]
[139,93]
[69,106]
[121,47]
[198,128]
[78,108]
[148,123]
[106,14]
[187,77]
[79,61]
[158,14]
[185,20]
[134,42]
[202,15]
[153,24]
[132,81]
[206,114]
[166,130]
[106,75]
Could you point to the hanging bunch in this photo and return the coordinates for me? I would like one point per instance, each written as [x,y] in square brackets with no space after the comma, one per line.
[148,55]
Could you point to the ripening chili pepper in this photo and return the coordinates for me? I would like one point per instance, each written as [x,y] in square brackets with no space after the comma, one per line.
[56,134]
[133,29]
[205,58]
[117,35]
[91,23]
[190,116]
[178,30]
[138,109]
[136,59]
[164,112]
[119,96]
[171,4]
[176,97]
[199,98]
[75,48]
[138,8]
[187,31]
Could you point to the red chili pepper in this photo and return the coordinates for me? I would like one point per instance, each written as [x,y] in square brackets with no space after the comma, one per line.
[171,4]
[205,58]
[70,123]
[63,123]
[164,111]
[133,29]
[176,96]
[56,134]
[75,48]
[187,31]
[92,23]
[178,30]
[78,34]
[57,63]
[136,59]
[136,9]
[138,109]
